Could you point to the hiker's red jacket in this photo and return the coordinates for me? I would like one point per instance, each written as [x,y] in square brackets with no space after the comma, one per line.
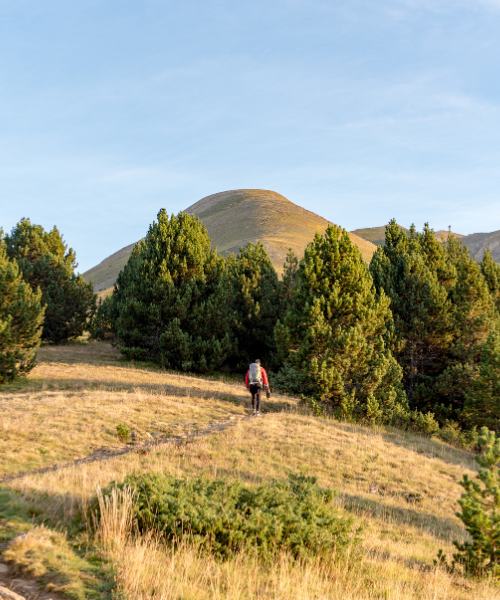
[265,381]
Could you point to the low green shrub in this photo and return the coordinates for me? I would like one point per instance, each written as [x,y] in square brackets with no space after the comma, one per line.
[123,432]
[224,517]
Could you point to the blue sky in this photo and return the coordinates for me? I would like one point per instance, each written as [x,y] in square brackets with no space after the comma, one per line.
[359,111]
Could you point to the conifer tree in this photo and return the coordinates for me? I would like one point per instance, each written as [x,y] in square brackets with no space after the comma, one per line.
[442,311]
[333,334]
[290,270]
[480,504]
[407,270]
[473,317]
[172,299]
[256,290]
[491,272]
[21,321]
[46,263]
[482,404]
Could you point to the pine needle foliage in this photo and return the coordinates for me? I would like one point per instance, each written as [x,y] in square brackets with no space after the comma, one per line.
[480,504]
[171,302]
[46,263]
[443,312]
[255,297]
[491,271]
[333,333]
[418,298]
[482,404]
[224,517]
[21,321]
[290,271]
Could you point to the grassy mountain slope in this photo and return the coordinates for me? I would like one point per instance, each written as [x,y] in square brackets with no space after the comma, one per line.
[400,487]
[376,235]
[234,219]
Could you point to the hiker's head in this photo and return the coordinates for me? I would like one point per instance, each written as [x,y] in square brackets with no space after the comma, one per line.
[257,361]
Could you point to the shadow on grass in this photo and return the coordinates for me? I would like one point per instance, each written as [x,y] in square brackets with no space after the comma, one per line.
[446,529]
[412,442]
[70,564]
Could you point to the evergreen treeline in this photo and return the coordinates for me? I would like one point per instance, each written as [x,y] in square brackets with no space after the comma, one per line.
[41,297]
[410,339]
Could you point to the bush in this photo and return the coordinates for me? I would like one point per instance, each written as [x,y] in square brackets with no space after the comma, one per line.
[223,517]
[123,432]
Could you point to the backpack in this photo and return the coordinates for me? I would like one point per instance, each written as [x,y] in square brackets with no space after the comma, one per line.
[255,374]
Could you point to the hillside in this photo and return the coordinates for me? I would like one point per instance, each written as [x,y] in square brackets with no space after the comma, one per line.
[479,242]
[376,235]
[401,488]
[237,217]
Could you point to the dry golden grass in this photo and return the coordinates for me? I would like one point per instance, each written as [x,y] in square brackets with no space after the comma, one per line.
[77,396]
[402,488]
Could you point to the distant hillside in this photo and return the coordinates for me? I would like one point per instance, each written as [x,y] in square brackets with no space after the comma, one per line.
[442,235]
[478,242]
[237,217]
[376,235]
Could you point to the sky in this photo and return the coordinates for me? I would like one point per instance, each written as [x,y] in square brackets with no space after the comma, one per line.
[360,111]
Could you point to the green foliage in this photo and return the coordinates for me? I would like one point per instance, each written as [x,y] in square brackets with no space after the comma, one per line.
[46,263]
[442,312]
[171,302]
[255,289]
[21,320]
[491,271]
[333,332]
[290,272]
[101,327]
[123,432]
[480,504]
[418,296]
[223,517]
[482,405]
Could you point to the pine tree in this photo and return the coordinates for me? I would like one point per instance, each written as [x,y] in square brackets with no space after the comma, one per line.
[491,272]
[21,320]
[474,313]
[480,504]
[413,272]
[256,291]
[333,334]
[290,271]
[172,299]
[482,405]
[46,263]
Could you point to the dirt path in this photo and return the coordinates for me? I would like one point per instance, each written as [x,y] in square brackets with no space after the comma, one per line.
[138,447]
[23,585]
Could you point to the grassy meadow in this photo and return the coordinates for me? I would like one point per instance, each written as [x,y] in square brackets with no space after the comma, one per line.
[399,487]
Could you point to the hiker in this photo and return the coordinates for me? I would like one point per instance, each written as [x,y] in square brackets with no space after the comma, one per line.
[255,380]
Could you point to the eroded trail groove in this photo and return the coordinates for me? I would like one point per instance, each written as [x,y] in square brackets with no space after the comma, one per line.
[138,447]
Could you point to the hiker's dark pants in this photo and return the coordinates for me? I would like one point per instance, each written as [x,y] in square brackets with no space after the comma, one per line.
[255,390]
